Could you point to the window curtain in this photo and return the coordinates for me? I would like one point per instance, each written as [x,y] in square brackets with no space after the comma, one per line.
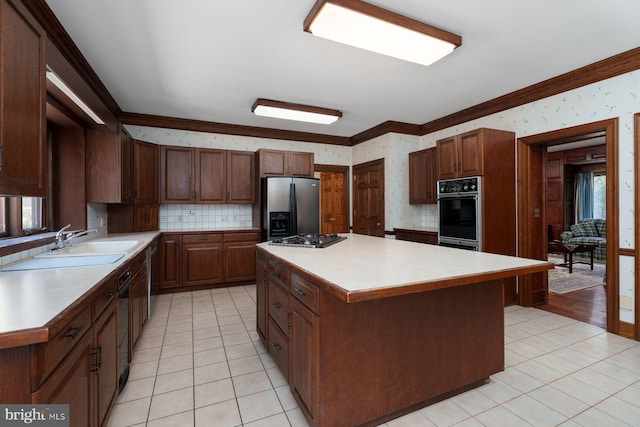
[584,196]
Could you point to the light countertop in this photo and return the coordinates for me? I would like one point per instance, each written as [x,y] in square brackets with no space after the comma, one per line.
[30,299]
[363,267]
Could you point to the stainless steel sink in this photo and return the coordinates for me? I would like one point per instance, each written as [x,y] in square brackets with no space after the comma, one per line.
[59,261]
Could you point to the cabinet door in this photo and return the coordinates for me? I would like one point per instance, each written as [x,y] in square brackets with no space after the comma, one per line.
[138,287]
[201,262]
[210,176]
[261,296]
[304,355]
[176,175]
[108,164]
[300,164]
[422,177]
[153,218]
[240,177]
[470,154]
[145,170]
[22,103]
[239,261]
[106,374]
[71,383]
[272,163]
[170,252]
[447,158]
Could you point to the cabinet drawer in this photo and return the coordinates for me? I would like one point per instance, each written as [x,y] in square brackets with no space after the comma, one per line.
[279,349]
[51,353]
[305,292]
[201,238]
[104,295]
[241,237]
[279,274]
[279,307]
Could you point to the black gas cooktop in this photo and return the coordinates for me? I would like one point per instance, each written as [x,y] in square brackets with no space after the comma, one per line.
[308,240]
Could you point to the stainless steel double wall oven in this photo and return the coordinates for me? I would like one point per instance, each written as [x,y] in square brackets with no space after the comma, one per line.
[460,213]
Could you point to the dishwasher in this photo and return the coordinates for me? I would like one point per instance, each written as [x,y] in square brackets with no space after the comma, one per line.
[124,282]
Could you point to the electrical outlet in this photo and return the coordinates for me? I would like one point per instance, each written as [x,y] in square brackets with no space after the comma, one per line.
[191,212]
[179,218]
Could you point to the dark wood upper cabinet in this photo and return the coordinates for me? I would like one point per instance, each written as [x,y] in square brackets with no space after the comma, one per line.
[285,163]
[23,153]
[422,177]
[206,176]
[240,173]
[145,172]
[109,166]
[176,175]
[210,170]
[461,155]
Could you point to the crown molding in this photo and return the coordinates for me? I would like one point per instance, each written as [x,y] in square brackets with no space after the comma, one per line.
[229,129]
[383,128]
[610,67]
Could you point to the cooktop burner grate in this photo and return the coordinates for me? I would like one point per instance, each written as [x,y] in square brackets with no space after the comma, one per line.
[308,240]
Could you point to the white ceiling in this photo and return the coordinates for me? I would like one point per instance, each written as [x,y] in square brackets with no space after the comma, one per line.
[211,59]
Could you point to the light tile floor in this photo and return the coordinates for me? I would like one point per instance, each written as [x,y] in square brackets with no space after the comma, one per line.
[200,362]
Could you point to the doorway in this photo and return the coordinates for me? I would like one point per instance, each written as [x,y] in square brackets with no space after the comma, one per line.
[334,198]
[368,198]
[532,224]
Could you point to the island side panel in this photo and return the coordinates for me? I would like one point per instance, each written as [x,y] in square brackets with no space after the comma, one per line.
[388,356]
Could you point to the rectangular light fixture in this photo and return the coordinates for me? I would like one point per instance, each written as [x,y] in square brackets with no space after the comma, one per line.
[370,27]
[53,78]
[289,111]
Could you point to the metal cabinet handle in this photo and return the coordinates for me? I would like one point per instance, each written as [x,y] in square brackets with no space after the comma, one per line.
[277,305]
[300,292]
[110,294]
[75,331]
[275,273]
[277,347]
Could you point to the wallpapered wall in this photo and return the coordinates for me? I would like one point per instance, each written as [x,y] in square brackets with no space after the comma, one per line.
[616,97]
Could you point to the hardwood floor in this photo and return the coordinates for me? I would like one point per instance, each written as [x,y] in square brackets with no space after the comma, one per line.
[586,305]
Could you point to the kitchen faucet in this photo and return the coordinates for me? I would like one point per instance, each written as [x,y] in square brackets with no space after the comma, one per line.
[63,240]
[60,242]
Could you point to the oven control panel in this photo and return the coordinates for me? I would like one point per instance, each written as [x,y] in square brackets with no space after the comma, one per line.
[463,185]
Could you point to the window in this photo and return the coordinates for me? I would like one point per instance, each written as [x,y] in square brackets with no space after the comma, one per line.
[3,217]
[31,213]
[600,196]
[21,216]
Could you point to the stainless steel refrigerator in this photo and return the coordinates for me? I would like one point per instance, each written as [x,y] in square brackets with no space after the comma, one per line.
[289,206]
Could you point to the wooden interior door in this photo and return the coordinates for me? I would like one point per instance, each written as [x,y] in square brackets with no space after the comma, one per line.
[333,207]
[368,194]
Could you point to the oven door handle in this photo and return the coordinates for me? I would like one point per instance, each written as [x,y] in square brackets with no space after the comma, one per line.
[458,196]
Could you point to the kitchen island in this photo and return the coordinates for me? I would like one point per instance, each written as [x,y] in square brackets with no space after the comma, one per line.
[369,329]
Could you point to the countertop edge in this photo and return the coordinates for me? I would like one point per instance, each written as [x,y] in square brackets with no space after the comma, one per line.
[40,334]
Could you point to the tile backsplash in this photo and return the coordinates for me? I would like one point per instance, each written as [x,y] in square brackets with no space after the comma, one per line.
[204,217]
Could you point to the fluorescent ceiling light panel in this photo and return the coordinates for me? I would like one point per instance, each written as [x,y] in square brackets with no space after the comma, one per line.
[53,78]
[369,27]
[288,111]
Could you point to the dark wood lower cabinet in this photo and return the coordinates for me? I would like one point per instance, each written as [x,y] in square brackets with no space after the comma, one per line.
[71,383]
[304,353]
[78,364]
[261,295]
[106,351]
[209,259]
[367,362]
[201,259]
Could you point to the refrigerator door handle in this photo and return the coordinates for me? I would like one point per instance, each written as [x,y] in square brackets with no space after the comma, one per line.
[293,209]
